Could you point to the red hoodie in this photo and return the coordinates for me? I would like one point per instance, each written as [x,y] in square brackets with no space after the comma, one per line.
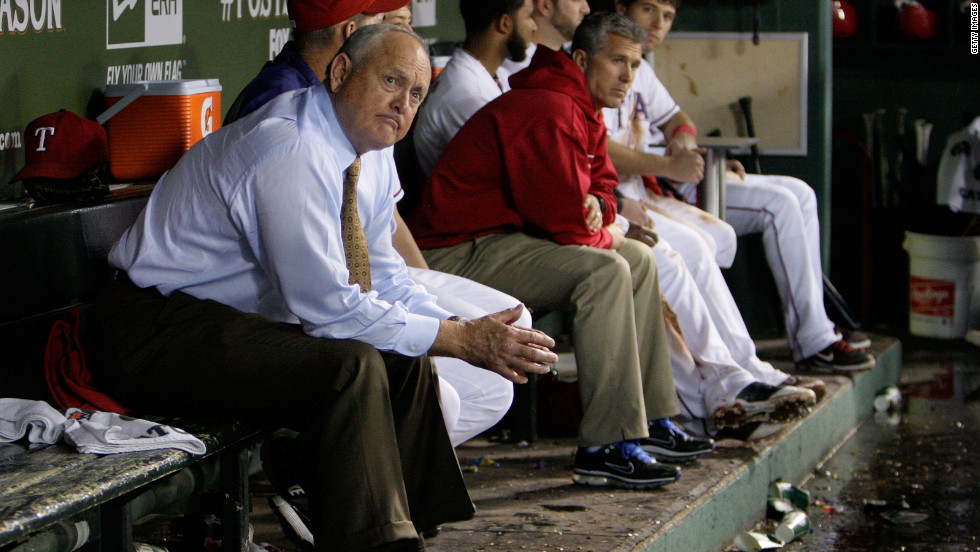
[523,163]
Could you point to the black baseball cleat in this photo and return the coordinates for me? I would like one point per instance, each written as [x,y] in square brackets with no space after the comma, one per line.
[857,340]
[761,402]
[816,385]
[752,431]
[838,357]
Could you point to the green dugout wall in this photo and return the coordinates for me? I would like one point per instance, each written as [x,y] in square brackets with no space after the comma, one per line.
[62,53]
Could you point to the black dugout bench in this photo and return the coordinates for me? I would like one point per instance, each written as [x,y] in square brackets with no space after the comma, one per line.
[52,259]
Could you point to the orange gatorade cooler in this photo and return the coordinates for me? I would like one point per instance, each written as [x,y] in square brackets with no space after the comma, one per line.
[151,124]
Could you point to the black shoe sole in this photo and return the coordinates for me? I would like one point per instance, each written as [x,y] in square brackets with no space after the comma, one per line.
[818,367]
[674,457]
[606,479]
[784,412]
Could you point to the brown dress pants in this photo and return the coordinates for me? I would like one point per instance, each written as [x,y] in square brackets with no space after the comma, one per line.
[381,467]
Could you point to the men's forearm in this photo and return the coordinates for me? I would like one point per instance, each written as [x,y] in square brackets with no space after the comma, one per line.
[628,161]
[404,244]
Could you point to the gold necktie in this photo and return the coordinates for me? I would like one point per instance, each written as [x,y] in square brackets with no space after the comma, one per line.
[355,244]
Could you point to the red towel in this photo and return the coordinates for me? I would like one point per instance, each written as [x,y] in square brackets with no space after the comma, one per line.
[68,377]
[654,186]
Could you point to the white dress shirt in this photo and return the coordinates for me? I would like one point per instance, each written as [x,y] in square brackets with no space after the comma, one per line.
[250,217]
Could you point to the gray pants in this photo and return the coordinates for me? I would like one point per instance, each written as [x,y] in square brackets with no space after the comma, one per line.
[620,346]
[381,467]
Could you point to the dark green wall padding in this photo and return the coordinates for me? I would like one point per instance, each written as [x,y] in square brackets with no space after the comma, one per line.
[68,66]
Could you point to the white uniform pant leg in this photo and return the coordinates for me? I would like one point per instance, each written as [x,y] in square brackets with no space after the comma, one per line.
[483,396]
[704,370]
[471,299]
[449,399]
[716,296]
[771,205]
[687,379]
[713,232]
[807,200]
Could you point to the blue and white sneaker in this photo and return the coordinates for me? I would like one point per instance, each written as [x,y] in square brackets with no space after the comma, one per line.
[669,443]
[623,464]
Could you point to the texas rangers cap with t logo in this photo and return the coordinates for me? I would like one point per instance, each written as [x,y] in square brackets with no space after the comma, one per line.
[62,145]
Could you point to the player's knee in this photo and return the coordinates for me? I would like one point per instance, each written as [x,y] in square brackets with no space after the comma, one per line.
[525,321]
[781,199]
[726,243]
[606,262]
[499,396]
[451,404]
[805,196]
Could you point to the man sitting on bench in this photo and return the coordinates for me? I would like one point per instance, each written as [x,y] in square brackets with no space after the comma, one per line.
[715,391]
[521,200]
[473,399]
[260,283]
[782,208]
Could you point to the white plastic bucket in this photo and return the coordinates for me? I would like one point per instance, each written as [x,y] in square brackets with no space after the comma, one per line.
[944,285]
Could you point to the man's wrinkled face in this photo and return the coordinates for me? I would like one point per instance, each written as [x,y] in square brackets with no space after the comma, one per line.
[377,102]
[610,72]
[522,31]
[655,17]
[568,15]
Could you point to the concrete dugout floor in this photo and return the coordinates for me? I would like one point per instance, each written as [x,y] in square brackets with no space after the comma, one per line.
[526,500]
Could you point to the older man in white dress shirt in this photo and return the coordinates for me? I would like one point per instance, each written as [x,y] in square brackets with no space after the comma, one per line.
[235,294]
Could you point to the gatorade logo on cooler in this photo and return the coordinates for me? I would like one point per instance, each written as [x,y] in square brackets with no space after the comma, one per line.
[930,297]
[207,116]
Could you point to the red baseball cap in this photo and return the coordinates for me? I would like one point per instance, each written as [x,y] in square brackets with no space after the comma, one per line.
[62,145]
[311,15]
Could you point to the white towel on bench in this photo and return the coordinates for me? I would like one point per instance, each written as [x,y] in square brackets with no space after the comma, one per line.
[38,420]
[89,431]
[97,432]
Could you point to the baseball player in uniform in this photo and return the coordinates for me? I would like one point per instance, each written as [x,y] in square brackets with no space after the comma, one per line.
[782,208]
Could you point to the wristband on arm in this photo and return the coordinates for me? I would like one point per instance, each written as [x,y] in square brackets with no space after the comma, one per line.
[684,128]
